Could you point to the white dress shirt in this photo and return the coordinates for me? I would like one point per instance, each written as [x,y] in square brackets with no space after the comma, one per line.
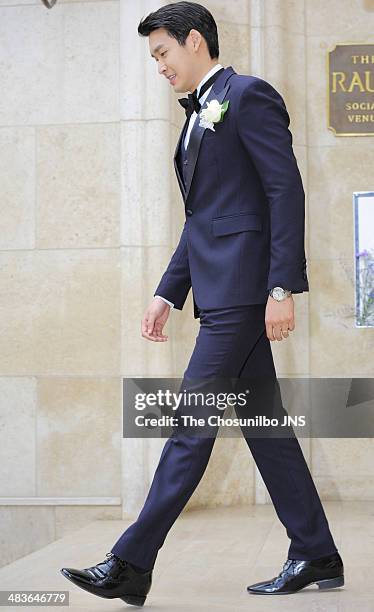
[201,100]
[191,124]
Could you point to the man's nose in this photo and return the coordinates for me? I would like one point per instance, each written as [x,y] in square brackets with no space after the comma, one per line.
[161,68]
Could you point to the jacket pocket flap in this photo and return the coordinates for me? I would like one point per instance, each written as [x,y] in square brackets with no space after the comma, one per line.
[230,224]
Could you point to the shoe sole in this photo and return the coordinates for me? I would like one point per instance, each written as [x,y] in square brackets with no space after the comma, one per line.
[331,583]
[327,583]
[134,600]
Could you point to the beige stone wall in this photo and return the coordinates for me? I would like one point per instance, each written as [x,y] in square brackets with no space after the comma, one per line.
[60,281]
[337,167]
[90,215]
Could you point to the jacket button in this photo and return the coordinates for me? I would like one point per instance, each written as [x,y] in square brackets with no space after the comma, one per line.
[189,212]
[185,162]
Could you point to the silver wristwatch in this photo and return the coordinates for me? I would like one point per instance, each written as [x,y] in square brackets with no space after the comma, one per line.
[279,294]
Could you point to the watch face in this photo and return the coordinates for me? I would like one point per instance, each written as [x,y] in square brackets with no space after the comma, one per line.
[278,293]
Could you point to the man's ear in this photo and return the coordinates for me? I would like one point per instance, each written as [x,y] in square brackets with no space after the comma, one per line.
[195,38]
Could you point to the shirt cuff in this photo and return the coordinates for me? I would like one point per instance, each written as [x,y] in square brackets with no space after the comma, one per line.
[165,300]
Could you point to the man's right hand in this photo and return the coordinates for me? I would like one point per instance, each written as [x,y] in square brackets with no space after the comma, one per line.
[154,320]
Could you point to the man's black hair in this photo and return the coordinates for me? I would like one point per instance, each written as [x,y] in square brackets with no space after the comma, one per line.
[178,19]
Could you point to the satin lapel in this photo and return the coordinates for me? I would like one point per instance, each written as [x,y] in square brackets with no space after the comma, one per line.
[179,177]
[197,132]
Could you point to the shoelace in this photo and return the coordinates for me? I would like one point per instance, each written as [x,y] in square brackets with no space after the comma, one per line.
[110,556]
[286,566]
[290,563]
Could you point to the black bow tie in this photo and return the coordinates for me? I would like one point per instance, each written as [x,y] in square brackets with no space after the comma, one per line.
[192,103]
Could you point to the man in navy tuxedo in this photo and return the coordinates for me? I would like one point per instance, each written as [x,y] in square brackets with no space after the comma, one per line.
[241,251]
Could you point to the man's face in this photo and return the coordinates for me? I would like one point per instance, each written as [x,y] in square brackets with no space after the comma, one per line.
[173,59]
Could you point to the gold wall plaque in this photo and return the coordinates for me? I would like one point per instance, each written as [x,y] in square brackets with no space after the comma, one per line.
[350,96]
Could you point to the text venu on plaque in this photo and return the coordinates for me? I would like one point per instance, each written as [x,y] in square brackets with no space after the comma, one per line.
[350,93]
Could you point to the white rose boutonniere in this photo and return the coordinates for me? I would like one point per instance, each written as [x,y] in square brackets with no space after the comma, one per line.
[213,113]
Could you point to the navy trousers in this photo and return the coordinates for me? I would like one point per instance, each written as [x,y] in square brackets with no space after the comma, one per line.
[231,342]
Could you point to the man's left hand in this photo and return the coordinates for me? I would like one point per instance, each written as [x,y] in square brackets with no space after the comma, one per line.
[279,318]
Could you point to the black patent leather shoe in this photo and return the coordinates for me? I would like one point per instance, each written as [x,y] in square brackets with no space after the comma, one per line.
[112,578]
[327,572]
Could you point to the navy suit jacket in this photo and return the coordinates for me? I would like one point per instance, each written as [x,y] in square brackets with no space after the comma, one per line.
[244,203]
